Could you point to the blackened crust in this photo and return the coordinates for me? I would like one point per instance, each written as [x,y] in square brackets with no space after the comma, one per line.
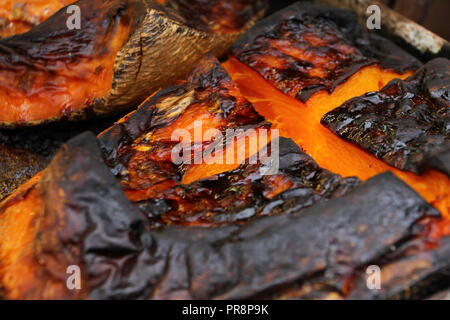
[130,148]
[314,34]
[102,229]
[406,124]
[389,55]
[423,272]
[41,48]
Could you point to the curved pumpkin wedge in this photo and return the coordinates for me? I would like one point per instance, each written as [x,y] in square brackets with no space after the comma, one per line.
[19,16]
[305,48]
[406,124]
[124,51]
[301,122]
[76,213]
[294,81]
[182,133]
[248,192]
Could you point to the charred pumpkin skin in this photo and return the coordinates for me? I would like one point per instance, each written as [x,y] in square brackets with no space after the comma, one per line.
[19,16]
[139,147]
[405,124]
[76,213]
[189,256]
[125,50]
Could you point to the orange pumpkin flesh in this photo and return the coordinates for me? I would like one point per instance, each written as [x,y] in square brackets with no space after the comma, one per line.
[301,122]
[18,230]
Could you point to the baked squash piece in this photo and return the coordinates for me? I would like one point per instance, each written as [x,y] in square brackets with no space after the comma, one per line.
[77,214]
[303,62]
[139,151]
[109,205]
[247,192]
[123,52]
[306,48]
[406,124]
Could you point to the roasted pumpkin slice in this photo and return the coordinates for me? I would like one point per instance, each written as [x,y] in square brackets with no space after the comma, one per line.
[248,191]
[201,118]
[19,16]
[406,124]
[123,51]
[306,48]
[77,214]
[275,78]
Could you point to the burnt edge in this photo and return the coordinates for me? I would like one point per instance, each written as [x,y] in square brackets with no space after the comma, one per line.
[208,84]
[370,47]
[330,239]
[406,124]
[246,193]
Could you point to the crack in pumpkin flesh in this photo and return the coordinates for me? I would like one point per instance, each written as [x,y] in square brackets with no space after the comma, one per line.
[301,122]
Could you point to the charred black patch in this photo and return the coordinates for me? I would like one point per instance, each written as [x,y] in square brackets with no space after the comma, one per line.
[56,40]
[330,240]
[406,124]
[422,271]
[215,15]
[45,140]
[306,48]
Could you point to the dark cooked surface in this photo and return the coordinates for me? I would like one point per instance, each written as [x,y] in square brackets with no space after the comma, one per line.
[42,48]
[16,167]
[26,151]
[306,48]
[405,124]
[208,91]
[387,54]
[246,193]
[217,16]
[121,258]
[46,139]
[422,271]
[441,162]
